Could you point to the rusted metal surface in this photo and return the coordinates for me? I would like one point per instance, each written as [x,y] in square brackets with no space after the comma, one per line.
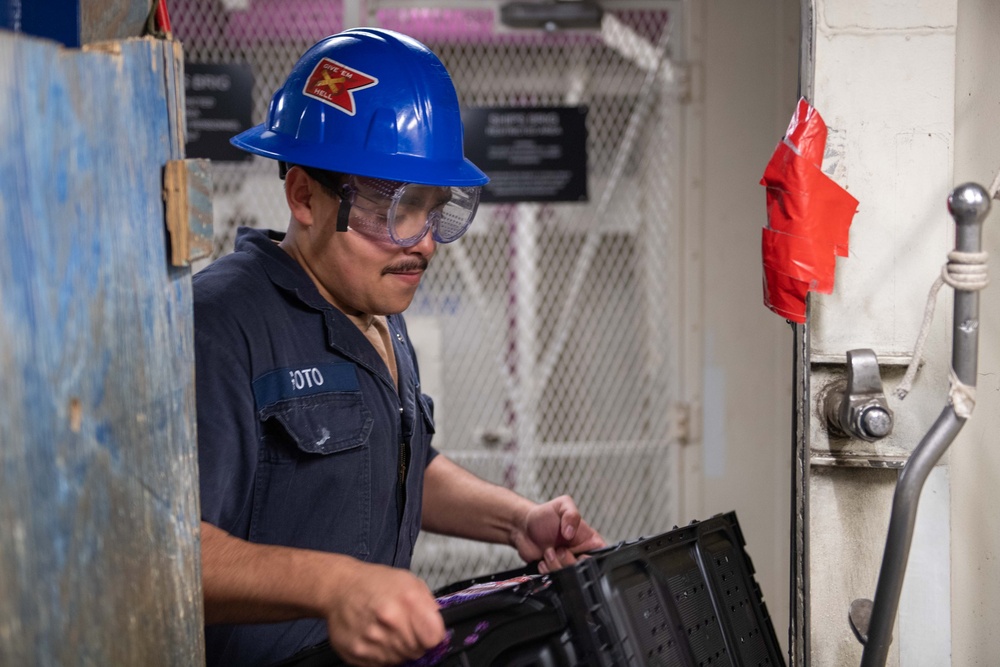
[98,488]
[799,615]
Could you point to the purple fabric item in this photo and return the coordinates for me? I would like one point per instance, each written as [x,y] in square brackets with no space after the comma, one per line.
[444,649]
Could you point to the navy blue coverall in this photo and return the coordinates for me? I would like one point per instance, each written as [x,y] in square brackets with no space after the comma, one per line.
[303,440]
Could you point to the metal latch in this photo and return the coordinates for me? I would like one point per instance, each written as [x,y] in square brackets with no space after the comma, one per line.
[858,408]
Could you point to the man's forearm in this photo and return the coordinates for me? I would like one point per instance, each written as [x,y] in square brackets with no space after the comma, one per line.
[376,614]
[256,583]
[456,502]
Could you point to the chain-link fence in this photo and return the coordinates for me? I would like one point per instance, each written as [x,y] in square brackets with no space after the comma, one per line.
[548,335]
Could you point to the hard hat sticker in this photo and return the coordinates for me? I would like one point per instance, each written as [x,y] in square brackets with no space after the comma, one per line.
[335,84]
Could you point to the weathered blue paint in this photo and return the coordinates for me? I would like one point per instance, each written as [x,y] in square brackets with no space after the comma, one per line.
[98,489]
[52,19]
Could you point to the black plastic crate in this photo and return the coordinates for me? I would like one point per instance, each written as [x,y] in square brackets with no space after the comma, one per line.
[685,598]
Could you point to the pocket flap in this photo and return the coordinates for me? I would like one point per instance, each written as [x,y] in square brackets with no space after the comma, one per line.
[427,410]
[323,423]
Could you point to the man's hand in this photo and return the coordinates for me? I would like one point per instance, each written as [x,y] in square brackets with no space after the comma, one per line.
[376,615]
[554,533]
[456,502]
[383,616]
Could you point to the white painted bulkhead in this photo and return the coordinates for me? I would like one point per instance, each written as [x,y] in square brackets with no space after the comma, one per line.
[975,458]
[883,76]
[911,95]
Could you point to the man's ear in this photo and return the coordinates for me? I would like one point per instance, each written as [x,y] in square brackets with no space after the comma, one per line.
[299,190]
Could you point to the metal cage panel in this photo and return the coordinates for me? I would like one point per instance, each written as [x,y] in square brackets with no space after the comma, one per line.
[548,335]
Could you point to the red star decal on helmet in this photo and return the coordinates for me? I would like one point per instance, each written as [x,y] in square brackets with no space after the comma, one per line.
[335,84]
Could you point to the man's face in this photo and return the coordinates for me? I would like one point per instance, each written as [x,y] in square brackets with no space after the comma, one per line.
[359,274]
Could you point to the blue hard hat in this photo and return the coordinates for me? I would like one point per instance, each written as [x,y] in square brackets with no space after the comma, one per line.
[369,102]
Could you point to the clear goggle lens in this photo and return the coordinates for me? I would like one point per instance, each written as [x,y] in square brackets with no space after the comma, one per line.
[404,212]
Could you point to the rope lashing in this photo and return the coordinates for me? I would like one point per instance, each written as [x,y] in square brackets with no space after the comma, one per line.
[966,271]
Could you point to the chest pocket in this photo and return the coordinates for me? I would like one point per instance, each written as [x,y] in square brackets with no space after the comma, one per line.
[324,423]
[320,406]
[313,483]
[420,451]
[426,407]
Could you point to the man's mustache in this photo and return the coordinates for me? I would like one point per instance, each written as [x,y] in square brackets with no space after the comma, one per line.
[415,264]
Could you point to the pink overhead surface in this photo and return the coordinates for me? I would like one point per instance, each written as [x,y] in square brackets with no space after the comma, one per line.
[310,20]
[439,24]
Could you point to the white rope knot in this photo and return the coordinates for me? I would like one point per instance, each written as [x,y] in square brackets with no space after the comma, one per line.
[962,397]
[967,271]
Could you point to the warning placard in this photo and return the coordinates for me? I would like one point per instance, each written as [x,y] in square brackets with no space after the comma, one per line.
[218,104]
[531,154]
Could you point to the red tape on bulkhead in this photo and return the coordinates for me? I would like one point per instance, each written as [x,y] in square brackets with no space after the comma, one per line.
[809,217]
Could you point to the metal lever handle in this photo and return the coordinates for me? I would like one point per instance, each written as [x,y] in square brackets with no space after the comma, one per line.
[968,205]
[858,408]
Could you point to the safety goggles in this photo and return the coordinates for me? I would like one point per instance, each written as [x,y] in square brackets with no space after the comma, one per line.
[402,213]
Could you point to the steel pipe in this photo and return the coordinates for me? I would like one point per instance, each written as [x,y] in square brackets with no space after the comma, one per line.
[968,205]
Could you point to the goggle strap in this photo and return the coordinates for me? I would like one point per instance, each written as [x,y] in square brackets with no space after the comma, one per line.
[343,214]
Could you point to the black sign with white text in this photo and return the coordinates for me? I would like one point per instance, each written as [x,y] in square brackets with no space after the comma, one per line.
[531,154]
[218,105]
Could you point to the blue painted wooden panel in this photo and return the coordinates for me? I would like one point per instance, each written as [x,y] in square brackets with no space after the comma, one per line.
[98,493]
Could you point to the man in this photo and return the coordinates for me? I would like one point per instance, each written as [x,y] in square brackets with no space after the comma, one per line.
[317,471]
